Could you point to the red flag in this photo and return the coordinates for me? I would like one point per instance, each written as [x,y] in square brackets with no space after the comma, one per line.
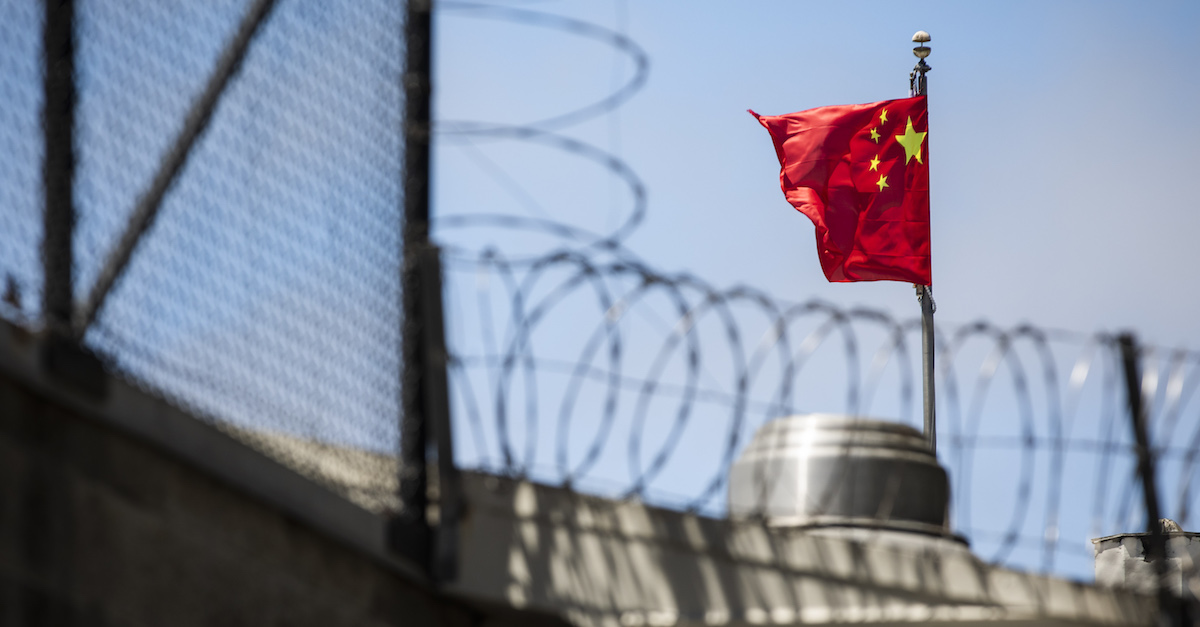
[861,174]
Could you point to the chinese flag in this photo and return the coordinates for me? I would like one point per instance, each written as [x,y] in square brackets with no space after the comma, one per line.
[861,174]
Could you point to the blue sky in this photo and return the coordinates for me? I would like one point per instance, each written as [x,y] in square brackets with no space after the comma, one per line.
[1062,142]
[1062,149]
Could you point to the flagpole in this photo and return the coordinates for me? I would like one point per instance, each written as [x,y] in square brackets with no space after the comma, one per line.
[918,87]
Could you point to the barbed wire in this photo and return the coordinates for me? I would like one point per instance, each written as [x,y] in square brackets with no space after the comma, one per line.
[554,364]
[1044,423]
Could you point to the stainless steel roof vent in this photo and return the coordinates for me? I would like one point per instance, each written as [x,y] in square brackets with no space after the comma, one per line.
[834,470]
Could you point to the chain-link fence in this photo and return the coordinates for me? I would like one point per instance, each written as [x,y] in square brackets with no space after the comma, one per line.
[21,152]
[264,292]
[267,292]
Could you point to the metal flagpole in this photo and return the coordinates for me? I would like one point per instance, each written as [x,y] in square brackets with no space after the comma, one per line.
[917,87]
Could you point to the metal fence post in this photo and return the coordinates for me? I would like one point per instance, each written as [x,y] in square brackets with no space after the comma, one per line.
[424,399]
[62,356]
[1156,541]
[58,165]
[435,409]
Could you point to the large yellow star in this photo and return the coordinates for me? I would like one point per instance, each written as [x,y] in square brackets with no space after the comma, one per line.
[882,182]
[875,164]
[875,136]
[911,140]
[883,116]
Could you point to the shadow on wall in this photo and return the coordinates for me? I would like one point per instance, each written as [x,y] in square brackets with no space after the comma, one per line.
[597,561]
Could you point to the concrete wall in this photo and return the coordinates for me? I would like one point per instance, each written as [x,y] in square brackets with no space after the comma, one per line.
[99,529]
[607,563]
[121,510]
[1121,561]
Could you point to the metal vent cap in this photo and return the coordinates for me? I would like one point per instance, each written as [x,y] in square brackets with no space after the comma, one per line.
[836,470]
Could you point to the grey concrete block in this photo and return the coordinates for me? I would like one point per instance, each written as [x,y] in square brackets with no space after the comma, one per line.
[100,528]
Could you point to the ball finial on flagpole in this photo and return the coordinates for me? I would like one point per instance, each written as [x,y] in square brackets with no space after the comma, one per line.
[916,80]
[921,37]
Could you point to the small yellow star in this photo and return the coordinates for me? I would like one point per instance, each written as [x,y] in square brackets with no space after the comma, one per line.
[875,164]
[911,140]
[875,136]
[883,116]
[882,183]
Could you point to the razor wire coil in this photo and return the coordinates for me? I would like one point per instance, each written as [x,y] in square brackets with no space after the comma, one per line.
[265,298]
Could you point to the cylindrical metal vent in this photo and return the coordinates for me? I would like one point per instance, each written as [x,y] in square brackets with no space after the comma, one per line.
[826,469]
